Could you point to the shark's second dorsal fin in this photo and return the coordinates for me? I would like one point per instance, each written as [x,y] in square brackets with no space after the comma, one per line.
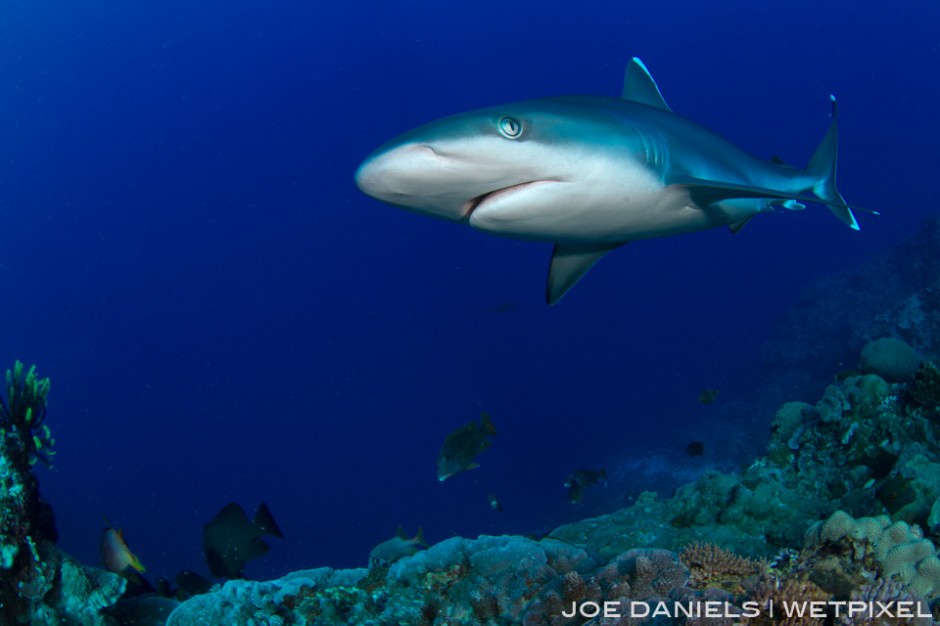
[639,86]
[569,263]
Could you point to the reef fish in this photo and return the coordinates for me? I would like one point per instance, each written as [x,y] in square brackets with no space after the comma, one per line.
[230,539]
[708,396]
[590,174]
[396,548]
[115,554]
[495,504]
[462,446]
[695,448]
[580,480]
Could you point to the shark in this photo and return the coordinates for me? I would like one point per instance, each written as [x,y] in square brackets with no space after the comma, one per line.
[589,174]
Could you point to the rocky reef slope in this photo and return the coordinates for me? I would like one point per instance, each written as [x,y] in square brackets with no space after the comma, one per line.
[843,505]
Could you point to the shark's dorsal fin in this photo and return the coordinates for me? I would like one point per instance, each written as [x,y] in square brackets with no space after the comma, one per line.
[569,263]
[639,86]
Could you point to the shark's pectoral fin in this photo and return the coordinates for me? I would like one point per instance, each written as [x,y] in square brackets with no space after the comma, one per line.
[569,263]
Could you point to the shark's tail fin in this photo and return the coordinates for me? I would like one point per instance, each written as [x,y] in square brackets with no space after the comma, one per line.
[823,166]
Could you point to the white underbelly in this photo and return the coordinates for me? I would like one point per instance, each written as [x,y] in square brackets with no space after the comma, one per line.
[603,204]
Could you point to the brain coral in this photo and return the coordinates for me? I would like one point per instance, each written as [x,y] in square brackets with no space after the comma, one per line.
[890,358]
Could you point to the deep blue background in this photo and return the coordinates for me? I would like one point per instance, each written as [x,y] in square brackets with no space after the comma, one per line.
[225,317]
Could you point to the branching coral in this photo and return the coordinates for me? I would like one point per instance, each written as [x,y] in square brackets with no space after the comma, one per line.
[711,566]
[24,411]
[785,596]
[642,573]
[886,592]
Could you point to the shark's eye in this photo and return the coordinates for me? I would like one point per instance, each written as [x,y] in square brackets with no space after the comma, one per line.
[509,127]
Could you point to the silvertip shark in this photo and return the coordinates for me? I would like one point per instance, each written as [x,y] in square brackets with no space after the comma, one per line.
[591,173]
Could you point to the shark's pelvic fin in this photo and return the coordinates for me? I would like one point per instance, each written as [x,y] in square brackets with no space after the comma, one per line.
[823,165]
[569,263]
[639,86]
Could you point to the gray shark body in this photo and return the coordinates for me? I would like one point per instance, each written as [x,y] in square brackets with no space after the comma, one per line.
[590,174]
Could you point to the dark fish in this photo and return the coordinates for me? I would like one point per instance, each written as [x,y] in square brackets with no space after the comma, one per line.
[695,448]
[396,548]
[191,584]
[141,611]
[462,446]
[495,504]
[505,307]
[231,539]
[708,396]
[580,480]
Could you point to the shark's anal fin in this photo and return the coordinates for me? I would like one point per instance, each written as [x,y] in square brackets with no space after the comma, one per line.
[735,227]
[639,86]
[569,263]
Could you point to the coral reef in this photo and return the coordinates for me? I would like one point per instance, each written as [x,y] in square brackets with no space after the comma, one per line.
[865,447]
[490,580]
[864,460]
[481,581]
[924,392]
[844,506]
[890,358]
[39,584]
[23,413]
[896,295]
[886,591]
[892,549]
[711,565]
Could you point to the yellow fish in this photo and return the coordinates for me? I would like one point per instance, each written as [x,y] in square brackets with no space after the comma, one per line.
[115,554]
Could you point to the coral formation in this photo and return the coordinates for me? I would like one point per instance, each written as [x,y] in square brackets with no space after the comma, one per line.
[864,460]
[924,391]
[39,584]
[844,506]
[884,591]
[897,549]
[23,413]
[486,580]
[711,565]
[890,358]
[783,593]
[896,294]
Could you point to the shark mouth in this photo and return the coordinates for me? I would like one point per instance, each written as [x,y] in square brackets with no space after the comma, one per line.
[474,203]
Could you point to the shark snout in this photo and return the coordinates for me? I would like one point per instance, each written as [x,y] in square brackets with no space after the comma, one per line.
[396,173]
[413,176]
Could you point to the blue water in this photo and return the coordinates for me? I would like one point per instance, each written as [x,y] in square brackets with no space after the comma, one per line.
[224,316]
